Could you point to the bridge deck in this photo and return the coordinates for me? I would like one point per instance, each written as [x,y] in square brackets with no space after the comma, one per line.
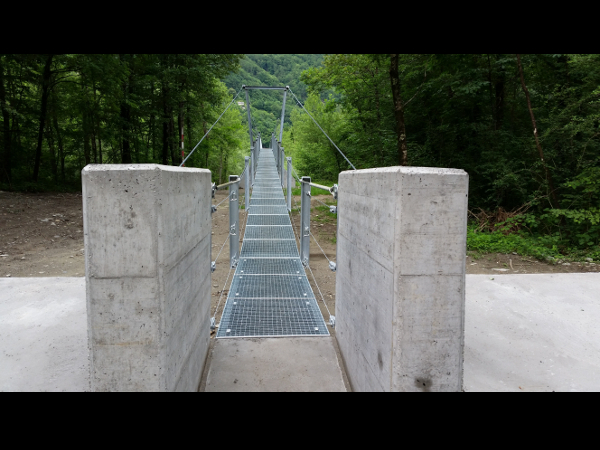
[270,294]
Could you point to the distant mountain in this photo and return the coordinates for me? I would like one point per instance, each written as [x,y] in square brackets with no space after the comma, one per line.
[271,70]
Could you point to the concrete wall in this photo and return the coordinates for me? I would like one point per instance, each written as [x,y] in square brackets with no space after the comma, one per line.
[147,239]
[400,279]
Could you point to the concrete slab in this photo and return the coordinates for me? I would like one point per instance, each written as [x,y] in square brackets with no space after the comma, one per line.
[532,332]
[43,335]
[512,323]
[303,364]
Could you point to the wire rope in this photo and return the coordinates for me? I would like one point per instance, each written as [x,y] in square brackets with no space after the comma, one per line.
[326,135]
[236,95]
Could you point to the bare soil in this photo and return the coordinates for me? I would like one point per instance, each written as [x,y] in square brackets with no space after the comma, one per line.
[41,235]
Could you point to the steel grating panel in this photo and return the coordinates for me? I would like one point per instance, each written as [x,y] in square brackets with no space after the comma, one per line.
[267,202]
[274,297]
[269,232]
[255,210]
[271,317]
[262,248]
[275,266]
[271,286]
[268,220]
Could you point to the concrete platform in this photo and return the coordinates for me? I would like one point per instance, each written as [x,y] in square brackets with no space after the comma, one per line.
[512,323]
[43,335]
[296,364]
[532,332]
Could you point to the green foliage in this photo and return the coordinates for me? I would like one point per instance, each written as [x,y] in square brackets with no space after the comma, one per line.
[113,109]
[271,70]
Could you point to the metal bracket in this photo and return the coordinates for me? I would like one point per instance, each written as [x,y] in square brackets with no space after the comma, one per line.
[332,321]
[232,230]
[332,266]
[213,266]
[333,209]
[306,231]
[213,209]
[213,325]
[334,191]
[214,189]
[233,197]
[305,262]
[234,262]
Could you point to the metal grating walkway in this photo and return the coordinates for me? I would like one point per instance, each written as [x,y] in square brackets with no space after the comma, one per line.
[270,294]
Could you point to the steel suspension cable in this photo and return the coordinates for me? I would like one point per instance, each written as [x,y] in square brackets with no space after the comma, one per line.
[326,135]
[236,95]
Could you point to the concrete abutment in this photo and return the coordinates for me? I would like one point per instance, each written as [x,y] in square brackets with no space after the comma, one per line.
[148,241]
[400,282]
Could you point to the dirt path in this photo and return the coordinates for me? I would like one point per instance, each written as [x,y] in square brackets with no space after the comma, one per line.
[41,235]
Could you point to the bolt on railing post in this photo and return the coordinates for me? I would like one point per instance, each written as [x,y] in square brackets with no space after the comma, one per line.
[247,184]
[234,220]
[289,184]
[305,221]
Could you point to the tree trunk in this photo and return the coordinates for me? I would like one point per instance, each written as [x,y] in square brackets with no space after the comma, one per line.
[53,161]
[45,90]
[180,125]
[165,128]
[174,157]
[61,151]
[535,134]
[5,173]
[398,110]
[86,137]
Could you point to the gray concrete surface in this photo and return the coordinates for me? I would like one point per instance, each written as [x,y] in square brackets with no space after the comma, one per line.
[147,234]
[43,335]
[400,277]
[512,323]
[303,364]
[533,332]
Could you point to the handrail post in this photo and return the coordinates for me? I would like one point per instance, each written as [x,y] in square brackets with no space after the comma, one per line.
[282,159]
[247,184]
[234,220]
[305,221]
[289,184]
[276,155]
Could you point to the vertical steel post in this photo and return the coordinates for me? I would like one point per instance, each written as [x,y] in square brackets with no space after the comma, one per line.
[256,144]
[252,164]
[234,220]
[247,185]
[275,155]
[249,118]
[289,184]
[283,114]
[282,159]
[305,221]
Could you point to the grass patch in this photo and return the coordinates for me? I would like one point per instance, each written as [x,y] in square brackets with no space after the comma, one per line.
[543,247]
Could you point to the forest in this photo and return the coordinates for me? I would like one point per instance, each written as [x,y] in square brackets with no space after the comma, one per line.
[525,127]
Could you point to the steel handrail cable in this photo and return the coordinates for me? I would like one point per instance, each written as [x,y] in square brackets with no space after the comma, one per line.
[319,289]
[317,242]
[216,206]
[221,294]
[236,95]
[308,265]
[302,106]
[219,254]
